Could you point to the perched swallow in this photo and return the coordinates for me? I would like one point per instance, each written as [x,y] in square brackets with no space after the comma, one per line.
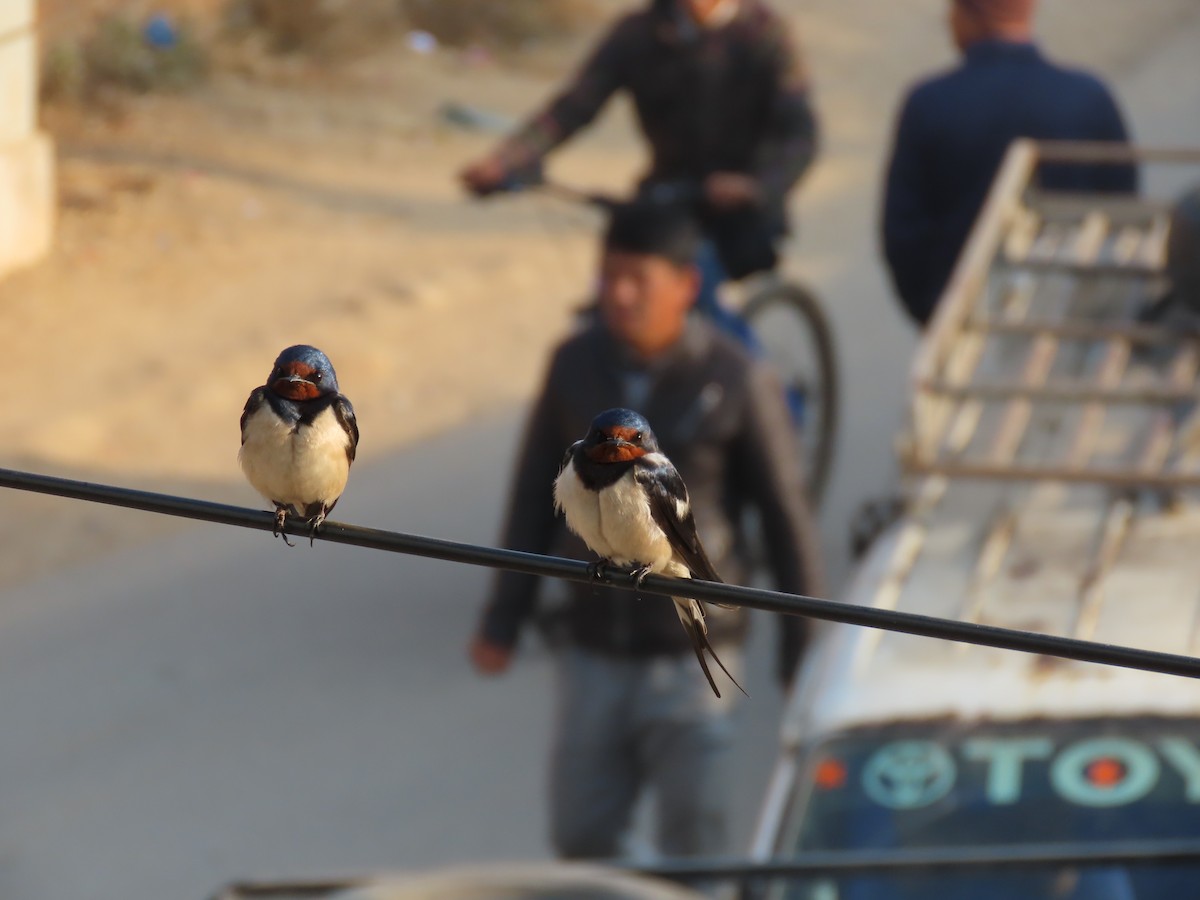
[628,503]
[299,436]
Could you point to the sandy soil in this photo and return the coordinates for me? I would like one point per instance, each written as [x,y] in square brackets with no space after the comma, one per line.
[293,201]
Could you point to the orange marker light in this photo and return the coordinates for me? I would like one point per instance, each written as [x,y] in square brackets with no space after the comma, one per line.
[1105,772]
[829,774]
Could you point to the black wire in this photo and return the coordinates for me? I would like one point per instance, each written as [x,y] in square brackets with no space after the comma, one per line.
[927,859]
[809,864]
[574,570]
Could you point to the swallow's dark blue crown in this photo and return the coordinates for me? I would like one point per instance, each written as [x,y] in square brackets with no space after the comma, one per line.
[620,418]
[306,353]
[610,419]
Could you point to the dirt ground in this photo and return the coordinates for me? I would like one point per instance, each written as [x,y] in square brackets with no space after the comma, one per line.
[295,200]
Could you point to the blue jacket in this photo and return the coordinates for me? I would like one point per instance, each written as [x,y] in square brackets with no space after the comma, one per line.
[952,134]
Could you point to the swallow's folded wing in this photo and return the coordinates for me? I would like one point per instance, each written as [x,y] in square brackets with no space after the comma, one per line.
[254,402]
[566,461]
[344,410]
[672,512]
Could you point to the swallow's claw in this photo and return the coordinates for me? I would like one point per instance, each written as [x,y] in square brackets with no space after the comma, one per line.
[638,574]
[313,524]
[280,518]
[598,570]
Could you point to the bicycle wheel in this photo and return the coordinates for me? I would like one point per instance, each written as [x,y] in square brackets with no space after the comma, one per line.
[798,344]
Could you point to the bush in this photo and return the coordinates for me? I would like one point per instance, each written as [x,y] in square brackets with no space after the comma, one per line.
[118,54]
[289,24]
[322,27]
[63,76]
[503,23]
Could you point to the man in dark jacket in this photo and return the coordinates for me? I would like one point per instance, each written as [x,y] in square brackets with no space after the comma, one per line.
[722,99]
[954,130]
[634,709]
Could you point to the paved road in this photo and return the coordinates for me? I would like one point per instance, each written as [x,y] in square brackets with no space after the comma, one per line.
[215,705]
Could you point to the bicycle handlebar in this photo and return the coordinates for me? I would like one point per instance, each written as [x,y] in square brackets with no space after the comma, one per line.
[662,192]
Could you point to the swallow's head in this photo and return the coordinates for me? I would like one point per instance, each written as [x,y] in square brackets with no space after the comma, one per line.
[302,373]
[619,435]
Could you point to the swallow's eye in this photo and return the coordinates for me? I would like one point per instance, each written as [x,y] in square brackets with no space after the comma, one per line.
[316,377]
[637,438]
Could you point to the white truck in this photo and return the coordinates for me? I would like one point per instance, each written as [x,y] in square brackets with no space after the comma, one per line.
[1050,464]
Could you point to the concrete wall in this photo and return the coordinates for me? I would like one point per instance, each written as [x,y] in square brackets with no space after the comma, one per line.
[26,155]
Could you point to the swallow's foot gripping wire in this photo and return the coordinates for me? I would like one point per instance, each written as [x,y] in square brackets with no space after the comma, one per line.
[280,518]
[313,524]
[638,574]
[598,570]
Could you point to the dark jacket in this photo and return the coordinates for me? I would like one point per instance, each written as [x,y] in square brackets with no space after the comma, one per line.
[732,98]
[721,418]
[952,134]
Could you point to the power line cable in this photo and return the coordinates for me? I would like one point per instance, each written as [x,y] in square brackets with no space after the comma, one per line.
[575,570]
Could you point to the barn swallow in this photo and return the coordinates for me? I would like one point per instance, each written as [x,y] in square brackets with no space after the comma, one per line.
[299,436]
[626,500]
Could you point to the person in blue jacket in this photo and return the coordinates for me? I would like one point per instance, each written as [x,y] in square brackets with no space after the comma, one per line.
[955,128]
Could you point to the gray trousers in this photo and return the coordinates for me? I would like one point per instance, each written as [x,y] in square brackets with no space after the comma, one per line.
[626,725]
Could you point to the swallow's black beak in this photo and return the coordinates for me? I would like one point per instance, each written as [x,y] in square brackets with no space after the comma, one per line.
[615,449]
[295,387]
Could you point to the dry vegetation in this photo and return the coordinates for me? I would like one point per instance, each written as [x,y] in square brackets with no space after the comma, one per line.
[510,24]
[118,54]
[90,46]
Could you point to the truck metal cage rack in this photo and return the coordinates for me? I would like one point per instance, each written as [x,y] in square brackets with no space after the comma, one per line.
[1054,375]
[1039,364]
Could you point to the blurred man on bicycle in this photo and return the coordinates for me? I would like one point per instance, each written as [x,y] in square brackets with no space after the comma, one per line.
[722,99]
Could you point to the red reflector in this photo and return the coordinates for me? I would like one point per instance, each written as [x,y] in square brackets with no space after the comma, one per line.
[1105,772]
[829,774]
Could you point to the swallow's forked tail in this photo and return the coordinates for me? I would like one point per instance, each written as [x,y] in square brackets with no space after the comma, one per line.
[691,614]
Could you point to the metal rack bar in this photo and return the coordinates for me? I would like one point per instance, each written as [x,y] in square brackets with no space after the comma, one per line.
[1091,419]
[1065,391]
[1162,432]
[1083,331]
[1020,410]
[970,273]
[960,367]
[1111,152]
[1114,530]
[1091,270]
[1000,534]
[1132,479]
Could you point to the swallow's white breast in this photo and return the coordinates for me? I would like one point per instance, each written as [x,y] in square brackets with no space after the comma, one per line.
[582,509]
[616,522]
[300,467]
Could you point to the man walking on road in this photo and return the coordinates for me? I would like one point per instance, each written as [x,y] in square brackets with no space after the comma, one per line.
[634,711]
[953,132]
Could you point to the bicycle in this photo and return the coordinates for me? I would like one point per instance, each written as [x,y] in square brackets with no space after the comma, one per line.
[790,332]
